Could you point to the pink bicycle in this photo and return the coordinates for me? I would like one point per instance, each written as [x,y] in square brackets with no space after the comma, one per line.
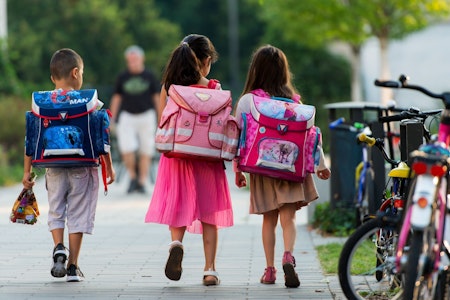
[423,254]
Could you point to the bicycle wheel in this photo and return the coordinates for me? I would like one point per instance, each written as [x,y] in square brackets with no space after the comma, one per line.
[442,288]
[359,193]
[370,198]
[366,253]
[420,278]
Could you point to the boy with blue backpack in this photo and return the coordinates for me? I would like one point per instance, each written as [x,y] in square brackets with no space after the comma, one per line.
[72,189]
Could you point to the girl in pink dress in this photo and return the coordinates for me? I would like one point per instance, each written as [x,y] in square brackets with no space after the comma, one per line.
[191,195]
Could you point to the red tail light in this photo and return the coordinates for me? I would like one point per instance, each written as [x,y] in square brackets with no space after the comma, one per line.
[438,171]
[419,168]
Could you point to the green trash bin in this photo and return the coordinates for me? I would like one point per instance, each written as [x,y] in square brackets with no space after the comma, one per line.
[345,155]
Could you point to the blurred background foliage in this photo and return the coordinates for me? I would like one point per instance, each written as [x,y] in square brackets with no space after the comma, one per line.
[100,30]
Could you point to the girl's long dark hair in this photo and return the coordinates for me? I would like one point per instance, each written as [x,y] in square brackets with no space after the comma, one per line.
[186,61]
[269,70]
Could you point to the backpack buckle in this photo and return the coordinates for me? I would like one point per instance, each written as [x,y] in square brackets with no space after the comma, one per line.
[202,117]
[282,128]
[63,115]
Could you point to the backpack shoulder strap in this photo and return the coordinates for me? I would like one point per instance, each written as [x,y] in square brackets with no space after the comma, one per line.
[260,93]
[296,98]
[214,84]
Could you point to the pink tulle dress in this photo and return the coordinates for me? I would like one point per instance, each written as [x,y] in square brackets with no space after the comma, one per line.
[188,192]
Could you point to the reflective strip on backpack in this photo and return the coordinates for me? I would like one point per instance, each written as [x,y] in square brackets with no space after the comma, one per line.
[230,141]
[164,146]
[48,152]
[184,131]
[216,136]
[228,155]
[197,150]
[164,132]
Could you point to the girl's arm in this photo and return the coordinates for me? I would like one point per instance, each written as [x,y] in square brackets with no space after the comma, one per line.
[161,103]
[243,106]
[322,171]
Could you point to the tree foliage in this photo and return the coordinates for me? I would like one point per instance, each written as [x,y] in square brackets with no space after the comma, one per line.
[352,21]
[318,23]
[99,30]
[319,76]
[211,18]
[9,83]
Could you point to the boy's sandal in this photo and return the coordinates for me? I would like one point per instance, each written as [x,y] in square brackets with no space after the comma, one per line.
[173,268]
[213,278]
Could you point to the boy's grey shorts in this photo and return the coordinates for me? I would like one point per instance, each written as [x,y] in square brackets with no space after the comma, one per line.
[72,197]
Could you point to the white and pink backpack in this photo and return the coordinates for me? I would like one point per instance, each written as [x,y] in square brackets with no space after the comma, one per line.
[196,124]
[278,139]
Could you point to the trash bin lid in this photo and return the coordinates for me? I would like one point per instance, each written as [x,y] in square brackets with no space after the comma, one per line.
[352,104]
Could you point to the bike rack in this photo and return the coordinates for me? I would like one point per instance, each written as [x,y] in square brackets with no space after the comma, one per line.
[343,167]
[411,136]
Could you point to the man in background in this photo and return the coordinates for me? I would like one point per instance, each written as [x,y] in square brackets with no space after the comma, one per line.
[133,108]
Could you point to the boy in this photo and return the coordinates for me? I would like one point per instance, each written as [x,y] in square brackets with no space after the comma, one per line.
[72,192]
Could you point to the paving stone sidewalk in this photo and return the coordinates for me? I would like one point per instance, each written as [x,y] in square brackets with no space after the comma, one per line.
[125,258]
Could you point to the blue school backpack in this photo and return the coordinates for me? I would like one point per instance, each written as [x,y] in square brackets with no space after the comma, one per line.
[66,129]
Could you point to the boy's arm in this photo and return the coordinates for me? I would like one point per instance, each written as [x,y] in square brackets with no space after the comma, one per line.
[26,179]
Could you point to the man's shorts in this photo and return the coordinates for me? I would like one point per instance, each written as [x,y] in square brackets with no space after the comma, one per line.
[136,132]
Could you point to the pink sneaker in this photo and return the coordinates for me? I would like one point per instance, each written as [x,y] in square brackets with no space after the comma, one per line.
[290,276]
[269,276]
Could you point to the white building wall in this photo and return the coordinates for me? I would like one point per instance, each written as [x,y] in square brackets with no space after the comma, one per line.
[424,56]
[3,19]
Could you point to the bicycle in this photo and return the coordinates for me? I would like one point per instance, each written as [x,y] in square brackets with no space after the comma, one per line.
[366,265]
[364,174]
[422,245]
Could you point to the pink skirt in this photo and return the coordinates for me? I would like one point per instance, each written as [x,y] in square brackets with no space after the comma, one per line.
[188,192]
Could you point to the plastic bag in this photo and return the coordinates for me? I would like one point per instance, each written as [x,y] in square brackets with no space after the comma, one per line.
[25,209]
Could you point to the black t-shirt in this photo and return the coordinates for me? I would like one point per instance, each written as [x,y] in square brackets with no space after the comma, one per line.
[137,91]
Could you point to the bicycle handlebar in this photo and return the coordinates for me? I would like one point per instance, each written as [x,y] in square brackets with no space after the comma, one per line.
[363,138]
[388,84]
[403,83]
[410,114]
[379,143]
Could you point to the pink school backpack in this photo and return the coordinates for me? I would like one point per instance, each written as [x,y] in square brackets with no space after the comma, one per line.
[196,124]
[278,138]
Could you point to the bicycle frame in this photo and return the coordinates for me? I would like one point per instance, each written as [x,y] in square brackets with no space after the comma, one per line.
[427,205]
[363,196]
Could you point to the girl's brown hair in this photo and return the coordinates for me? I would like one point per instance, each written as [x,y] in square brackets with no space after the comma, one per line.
[269,70]
[186,61]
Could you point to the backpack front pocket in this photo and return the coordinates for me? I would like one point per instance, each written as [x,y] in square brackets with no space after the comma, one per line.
[63,140]
[277,154]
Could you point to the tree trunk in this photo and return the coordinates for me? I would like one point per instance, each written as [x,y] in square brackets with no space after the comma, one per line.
[386,94]
[3,21]
[355,61]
